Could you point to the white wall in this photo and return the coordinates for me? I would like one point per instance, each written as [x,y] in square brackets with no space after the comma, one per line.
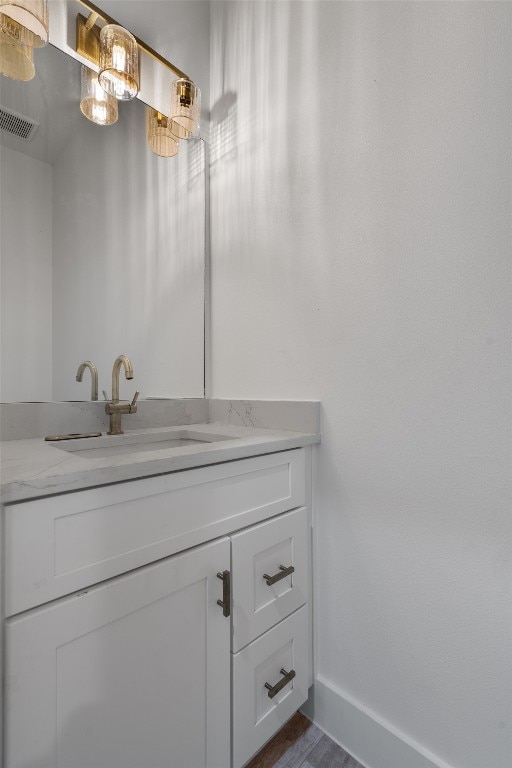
[26,283]
[361,234]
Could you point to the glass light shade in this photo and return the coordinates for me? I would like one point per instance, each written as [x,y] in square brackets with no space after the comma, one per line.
[97,105]
[119,62]
[160,138]
[30,14]
[178,130]
[185,104]
[16,55]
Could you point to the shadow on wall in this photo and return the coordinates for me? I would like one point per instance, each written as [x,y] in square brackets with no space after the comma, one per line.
[195,164]
[223,130]
[270,122]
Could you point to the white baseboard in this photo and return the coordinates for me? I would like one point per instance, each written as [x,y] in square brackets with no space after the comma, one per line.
[361,733]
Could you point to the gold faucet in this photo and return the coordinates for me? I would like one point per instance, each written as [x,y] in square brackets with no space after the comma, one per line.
[114,408]
[94,377]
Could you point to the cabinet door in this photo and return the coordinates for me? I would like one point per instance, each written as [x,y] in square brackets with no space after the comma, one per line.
[133,673]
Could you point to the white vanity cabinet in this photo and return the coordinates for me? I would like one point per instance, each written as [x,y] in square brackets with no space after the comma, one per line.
[123,646]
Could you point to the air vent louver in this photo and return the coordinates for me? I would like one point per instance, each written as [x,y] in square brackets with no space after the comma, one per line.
[17,124]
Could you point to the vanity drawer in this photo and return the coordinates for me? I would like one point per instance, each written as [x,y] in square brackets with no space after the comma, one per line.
[257,716]
[61,544]
[260,557]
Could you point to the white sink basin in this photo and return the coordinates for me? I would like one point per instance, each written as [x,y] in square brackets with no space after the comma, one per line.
[123,445]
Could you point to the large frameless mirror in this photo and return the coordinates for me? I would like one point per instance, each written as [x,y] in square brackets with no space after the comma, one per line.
[102,246]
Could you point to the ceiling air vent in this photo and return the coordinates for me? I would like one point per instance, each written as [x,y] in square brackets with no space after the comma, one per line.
[17,124]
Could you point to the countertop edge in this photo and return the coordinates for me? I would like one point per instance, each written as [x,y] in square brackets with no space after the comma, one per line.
[69,476]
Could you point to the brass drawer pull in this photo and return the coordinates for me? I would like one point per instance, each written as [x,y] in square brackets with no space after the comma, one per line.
[282,574]
[225,603]
[274,689]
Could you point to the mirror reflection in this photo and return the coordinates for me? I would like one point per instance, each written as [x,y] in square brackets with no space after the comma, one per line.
[102,247]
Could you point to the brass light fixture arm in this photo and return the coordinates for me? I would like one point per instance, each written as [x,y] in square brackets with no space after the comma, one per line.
[98,13]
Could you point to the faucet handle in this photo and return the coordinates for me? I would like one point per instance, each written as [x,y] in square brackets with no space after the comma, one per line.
[133,407]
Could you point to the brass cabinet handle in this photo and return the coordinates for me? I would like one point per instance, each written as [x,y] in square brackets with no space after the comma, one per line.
[225,603]
[281,574]
[274,689]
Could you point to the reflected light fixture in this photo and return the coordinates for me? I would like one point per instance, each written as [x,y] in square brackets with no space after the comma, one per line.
[119,62]
[96,104]
[115,52]
[185,104]
[159,134]
[23,27]
[16,53]
[30,14]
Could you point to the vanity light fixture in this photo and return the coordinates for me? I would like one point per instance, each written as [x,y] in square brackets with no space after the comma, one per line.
[110,49]
[159,134]
[23,27]
[96,104]
[119,62]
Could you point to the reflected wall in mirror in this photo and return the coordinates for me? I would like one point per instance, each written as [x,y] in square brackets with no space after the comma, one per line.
[102,248]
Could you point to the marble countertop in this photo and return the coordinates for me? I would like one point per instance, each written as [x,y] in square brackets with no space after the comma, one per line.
[33,468]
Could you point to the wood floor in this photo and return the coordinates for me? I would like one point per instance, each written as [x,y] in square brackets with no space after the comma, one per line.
[300,744]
